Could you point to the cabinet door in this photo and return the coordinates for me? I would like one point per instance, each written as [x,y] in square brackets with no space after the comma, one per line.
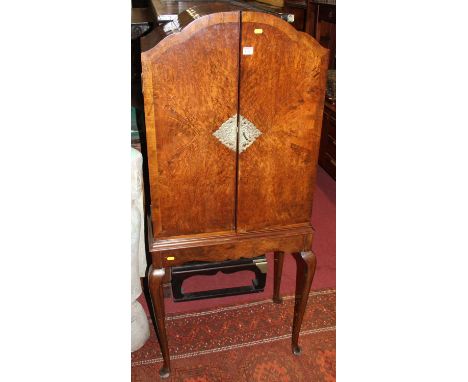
[282,89]
[190,82]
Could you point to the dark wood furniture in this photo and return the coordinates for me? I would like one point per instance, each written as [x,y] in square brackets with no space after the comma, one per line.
[327,155]
[321,24]
[233,108]
[299,9]
[293,11]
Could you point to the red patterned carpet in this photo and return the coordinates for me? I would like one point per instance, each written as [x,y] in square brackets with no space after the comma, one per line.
[248,342]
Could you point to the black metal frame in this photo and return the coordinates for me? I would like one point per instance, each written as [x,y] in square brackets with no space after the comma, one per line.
[257,265]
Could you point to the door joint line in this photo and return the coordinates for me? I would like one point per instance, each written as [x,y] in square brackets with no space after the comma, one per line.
[236,201]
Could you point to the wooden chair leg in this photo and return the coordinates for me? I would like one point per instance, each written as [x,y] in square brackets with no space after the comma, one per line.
[157,298]
[278,271]
[306,262]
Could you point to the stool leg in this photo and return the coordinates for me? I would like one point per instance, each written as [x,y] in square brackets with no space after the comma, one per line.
[306,262]
[157,298]
[278,271]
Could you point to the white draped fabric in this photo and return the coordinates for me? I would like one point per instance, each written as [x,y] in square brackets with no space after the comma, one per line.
[140,327]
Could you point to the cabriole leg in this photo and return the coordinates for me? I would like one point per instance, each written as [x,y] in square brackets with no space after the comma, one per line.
[306,262]
[278,271]
[157,298]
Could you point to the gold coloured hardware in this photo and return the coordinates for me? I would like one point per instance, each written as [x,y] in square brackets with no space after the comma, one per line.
[262,265]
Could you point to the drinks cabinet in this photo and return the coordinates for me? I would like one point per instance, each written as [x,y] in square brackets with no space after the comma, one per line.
[233,105]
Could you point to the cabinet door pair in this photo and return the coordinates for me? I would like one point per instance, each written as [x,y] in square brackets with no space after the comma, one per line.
[233,108]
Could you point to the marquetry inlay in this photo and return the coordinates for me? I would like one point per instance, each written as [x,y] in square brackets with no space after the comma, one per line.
[227,133]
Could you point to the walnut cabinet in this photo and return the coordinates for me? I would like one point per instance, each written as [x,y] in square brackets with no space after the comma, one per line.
[233,111]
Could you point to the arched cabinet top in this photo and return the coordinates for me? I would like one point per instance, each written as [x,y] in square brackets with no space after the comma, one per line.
[202,16]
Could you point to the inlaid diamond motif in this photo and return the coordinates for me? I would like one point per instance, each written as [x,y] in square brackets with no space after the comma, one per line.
[227,133]
[248,133]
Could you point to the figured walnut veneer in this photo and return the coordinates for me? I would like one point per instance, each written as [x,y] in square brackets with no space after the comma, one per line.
[281,91]
[190,88]
[213,198]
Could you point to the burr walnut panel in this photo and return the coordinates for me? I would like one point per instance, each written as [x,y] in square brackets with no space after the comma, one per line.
[190,82]
[282,84]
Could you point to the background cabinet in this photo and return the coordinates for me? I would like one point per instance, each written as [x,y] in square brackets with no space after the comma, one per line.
[327,155]
[321,24]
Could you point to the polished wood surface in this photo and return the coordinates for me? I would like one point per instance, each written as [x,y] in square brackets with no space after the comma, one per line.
[325,30]
[232,250]
[156,277]
[278,271]
[210,202]
[319,11]
[327,154]
[189,93]
[321,24]
[281,93]
[306,263]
